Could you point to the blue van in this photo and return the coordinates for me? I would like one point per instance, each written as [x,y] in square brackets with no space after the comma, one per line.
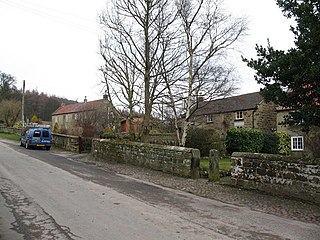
[36,136]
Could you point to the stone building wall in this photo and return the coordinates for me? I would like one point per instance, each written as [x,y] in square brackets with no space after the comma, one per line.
[176,160]
[265,117]
[294,177]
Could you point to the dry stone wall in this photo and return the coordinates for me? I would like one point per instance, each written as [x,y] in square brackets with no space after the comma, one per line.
[171,159]
[294,177]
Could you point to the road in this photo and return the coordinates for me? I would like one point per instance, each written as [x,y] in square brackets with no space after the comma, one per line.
[45,195]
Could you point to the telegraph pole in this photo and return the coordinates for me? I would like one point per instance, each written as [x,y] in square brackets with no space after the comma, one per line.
[22,107]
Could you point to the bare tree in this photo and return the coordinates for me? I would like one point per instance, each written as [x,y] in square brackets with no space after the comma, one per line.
[208,33]
[138,27]
[10,111]
[121,78]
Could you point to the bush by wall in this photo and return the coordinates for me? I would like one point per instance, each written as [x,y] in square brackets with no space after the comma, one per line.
[270,143]
[202,139]
[244,140]
[284,143]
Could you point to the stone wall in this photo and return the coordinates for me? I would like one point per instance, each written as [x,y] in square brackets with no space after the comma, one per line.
[171,159]
[10,130]
[293,177]
[71,143]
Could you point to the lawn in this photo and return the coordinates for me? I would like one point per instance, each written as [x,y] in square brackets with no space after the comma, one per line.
[224,164]
[10,136]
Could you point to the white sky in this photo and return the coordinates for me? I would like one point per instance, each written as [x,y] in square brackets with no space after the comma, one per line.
[53,44]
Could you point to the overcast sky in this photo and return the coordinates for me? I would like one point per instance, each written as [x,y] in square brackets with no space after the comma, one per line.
[53,44]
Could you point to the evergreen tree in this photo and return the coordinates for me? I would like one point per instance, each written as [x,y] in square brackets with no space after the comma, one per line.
[292,78]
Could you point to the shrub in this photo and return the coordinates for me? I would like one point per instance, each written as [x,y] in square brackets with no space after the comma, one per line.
[284,143]
[270,143]
[244,140]
[202,139]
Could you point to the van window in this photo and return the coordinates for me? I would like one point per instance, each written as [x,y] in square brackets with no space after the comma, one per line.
[37,133]
[45,134]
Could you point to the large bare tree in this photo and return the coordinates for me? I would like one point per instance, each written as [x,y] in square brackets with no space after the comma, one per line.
[207,35]
[137,28]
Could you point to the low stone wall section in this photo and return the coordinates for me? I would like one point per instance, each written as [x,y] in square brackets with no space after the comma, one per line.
[72,143]
[289,176]
[171,159]
[10,130]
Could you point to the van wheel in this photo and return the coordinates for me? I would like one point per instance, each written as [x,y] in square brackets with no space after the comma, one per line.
[21,143]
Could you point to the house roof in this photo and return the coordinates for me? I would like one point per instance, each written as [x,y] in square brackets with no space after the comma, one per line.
[79,107]
[230,104]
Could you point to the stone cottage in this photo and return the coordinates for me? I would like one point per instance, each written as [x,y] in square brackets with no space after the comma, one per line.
[302,143]
[88,118]
[243,111]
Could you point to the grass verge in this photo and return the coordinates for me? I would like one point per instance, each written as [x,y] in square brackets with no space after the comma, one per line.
[10,136]
[224,164]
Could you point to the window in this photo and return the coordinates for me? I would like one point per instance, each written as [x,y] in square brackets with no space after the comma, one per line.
[297,143]
[45,134]
[239,115]
[37,133]
[209,118]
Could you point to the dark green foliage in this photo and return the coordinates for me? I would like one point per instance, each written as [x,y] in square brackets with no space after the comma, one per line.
[270,143]
[8,90]
[291,78]
[244,140]
[202,139]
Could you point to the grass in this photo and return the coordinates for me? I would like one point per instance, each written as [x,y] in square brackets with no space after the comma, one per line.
[224,164]
[10,136]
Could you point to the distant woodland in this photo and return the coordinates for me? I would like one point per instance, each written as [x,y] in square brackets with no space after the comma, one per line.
[37,104]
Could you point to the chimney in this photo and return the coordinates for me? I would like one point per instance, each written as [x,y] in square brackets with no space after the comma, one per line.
[85,99]
[200,99]
[105,95]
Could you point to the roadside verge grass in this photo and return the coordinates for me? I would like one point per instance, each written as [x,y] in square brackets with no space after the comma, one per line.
[224,164]
[10,136]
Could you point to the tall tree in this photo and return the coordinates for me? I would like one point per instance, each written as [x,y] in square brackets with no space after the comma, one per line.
[292,78]
[122,80]
[10,112]
[140,24]
[7,86]
[207,34]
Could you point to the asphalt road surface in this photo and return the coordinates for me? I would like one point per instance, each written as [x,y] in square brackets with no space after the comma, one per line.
[45,195]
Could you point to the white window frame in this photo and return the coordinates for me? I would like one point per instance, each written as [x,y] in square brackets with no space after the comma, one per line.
[239,115]
[209,118]
[297,143]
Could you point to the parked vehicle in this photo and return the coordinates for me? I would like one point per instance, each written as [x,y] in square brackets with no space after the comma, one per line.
[36,136]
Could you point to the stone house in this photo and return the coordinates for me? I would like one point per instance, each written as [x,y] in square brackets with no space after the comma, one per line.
[243,111]
[88,118]
[302,143]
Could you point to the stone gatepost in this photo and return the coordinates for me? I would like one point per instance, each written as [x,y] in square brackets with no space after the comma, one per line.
[195,164]
[213,173]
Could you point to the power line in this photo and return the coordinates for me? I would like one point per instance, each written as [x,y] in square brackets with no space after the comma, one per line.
[57,11]
[49,16]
